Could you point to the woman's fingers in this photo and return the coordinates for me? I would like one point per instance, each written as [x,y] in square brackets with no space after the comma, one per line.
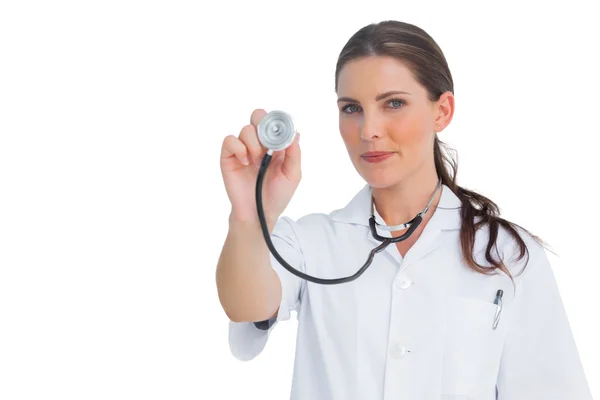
[256,116]
[232,146]
[291,164]
[249,137]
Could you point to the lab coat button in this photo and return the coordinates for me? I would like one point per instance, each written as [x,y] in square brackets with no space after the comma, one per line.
[398,351]
[403,282]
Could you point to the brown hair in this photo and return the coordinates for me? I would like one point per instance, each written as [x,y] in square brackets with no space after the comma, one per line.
[422,55]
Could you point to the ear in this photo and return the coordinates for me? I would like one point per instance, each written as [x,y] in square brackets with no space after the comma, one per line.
[443,111]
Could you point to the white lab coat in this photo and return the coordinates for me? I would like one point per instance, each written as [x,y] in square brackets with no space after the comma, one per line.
[418,328]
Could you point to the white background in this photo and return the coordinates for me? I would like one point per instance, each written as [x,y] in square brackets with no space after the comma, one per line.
[112,207]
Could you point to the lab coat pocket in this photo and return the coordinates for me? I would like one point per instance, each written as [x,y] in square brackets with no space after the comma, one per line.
[472,347]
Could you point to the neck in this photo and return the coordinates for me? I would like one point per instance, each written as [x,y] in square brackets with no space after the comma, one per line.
[401,202]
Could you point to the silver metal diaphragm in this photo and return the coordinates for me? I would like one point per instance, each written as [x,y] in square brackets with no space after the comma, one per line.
[276,131]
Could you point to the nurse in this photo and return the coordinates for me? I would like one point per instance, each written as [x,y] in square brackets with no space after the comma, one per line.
[466,308]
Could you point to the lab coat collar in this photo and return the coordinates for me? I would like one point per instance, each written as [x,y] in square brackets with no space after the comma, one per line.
[358,211]
[446,217]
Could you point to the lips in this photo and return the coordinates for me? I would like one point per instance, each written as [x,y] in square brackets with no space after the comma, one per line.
[376,153]
[376,156]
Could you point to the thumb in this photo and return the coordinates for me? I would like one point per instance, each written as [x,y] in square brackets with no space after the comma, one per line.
[291,163]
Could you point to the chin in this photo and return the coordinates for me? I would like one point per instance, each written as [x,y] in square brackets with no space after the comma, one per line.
[382,178]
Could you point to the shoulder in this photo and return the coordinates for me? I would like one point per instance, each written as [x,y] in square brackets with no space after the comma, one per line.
[354,212]
[307,225]
[317,229]
[518,247]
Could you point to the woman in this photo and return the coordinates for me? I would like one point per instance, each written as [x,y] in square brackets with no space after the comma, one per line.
[421,322]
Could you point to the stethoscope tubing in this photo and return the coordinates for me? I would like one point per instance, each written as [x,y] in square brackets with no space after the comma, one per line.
[265,230]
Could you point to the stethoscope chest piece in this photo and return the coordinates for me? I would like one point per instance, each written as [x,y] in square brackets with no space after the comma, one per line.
[276,130]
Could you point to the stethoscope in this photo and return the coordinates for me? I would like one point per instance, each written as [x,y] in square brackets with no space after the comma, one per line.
[276,131]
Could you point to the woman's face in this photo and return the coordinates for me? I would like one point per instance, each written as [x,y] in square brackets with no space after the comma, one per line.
[384,109]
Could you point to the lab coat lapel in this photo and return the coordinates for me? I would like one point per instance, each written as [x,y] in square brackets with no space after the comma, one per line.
[434,234]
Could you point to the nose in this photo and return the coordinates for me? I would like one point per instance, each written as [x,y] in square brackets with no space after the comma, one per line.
[371,127]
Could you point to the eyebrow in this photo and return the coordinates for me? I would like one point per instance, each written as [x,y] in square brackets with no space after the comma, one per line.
[379,96]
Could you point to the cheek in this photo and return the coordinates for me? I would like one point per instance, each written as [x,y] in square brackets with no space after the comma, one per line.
[410,132]
[350,132]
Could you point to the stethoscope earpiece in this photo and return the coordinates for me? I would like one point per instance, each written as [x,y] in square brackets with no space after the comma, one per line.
[276,131]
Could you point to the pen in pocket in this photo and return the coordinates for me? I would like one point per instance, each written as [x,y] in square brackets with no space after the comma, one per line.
[498,303]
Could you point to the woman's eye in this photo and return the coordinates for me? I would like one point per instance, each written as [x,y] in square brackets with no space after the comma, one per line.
[396,103]
[349,108]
